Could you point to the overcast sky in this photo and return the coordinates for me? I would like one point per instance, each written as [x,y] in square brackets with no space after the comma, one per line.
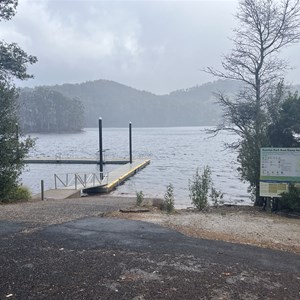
[158,46]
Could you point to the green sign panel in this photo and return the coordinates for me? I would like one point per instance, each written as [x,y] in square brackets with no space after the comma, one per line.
[280,164]
[278,168]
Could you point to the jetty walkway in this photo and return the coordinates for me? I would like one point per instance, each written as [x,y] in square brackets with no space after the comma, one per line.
[75,161]
[74,184]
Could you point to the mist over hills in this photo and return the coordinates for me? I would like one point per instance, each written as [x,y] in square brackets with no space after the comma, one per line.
[118,104]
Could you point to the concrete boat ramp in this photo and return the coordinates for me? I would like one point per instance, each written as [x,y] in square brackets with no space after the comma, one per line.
[109,182]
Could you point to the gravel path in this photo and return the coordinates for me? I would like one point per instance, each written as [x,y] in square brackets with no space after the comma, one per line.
[245,225]
[51,212]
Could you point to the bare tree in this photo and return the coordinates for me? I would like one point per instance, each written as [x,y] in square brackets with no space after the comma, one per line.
[265,27]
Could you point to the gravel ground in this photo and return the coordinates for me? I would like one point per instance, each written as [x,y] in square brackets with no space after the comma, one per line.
[67,249]
[51,212]
[238,224]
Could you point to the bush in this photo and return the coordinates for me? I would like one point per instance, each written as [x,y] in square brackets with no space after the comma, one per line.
[169,201]
[216,197]
[199,189]
[291,200]
[139,198]
[20,193]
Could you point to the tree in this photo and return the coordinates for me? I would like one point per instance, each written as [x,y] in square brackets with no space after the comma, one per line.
[285,129]
[12,150]
[13,64]
[265,28]
[8,9]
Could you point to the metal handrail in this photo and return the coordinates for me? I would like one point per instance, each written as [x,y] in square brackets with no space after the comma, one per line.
[80,180]
[58,156]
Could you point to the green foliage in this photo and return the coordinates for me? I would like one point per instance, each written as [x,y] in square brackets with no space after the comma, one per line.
[13,64]
[169,201]
[21,193]
[8,9]
[12,148]
[249,159]
[291,200]
[45,110]
[282,132]
[216,197]
[200,187]
[139,198]
[14,61]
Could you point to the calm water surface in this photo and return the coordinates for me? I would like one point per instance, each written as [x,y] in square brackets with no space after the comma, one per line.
[175,155]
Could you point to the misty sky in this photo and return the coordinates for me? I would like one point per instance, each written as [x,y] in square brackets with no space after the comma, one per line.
[158,46]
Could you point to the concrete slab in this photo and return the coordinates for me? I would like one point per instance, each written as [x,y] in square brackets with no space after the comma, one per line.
[58,194]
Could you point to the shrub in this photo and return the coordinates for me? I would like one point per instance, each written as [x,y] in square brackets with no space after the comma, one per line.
[139,198]
[199,189]
[20,193]
[169,201]
[291,199]
[216,197]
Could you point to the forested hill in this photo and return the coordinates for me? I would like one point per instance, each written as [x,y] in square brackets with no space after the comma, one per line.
[45,110]
[118,104]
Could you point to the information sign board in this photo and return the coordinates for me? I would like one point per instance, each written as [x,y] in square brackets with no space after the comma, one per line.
[281,164]
[278,168]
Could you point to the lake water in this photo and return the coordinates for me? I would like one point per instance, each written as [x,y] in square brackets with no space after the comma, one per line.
[175,154]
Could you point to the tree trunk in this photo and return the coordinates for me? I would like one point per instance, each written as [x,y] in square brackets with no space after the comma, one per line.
[259,201]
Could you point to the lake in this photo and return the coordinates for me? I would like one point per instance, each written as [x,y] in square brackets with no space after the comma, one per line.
[175,154]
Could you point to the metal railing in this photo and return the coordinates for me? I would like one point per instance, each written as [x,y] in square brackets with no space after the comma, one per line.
[58,156]
[104,153]
[80,180]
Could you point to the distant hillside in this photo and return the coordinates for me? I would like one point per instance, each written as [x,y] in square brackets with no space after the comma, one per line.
[118,104]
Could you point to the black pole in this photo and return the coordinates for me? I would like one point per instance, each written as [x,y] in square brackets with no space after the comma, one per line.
[130,142]
[100,149]
[42,189]
[17,131]
[17,139]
